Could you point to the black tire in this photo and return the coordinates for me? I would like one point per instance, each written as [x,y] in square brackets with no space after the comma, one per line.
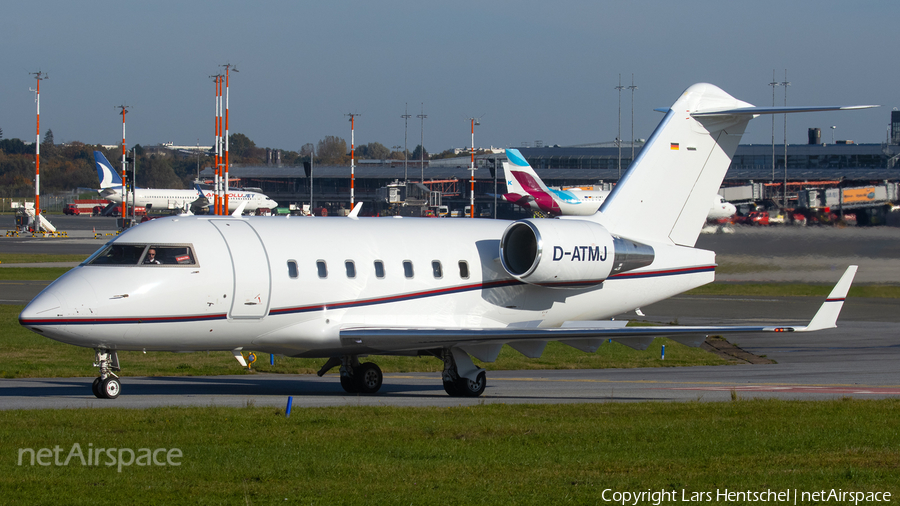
[469,388]
[110,388]
[450,388]
[349,385]
[95,387]
[368,378]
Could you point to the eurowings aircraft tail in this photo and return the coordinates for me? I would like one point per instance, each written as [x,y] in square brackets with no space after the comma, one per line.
[108,177]
[527,189]
[682,166]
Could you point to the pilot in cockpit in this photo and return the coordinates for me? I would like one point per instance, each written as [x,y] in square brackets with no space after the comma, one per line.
[150,258]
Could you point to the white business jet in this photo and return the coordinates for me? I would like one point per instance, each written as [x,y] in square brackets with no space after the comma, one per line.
[525,188]
[345,288]
[172,199]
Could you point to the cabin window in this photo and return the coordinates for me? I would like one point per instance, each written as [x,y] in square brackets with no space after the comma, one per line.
[292,269]
[463,269]
[351,268]
[436,269]
[379,269]
[322,268]
[408,268]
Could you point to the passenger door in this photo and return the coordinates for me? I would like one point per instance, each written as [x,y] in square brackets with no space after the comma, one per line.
[252,283]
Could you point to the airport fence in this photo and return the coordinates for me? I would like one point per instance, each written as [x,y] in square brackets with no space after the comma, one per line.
[49,203]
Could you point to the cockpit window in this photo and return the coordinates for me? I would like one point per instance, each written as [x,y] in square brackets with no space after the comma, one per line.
[143,254]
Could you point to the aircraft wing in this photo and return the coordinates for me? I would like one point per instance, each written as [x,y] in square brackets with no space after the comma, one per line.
[587,336]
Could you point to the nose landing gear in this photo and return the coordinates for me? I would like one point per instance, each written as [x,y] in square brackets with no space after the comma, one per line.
[107,386]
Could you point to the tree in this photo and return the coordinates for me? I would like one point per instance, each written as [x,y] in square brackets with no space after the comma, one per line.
[157,172]
[240,145]
[374,151]
[417,153]
[332,151]
[15,147]
[47,146]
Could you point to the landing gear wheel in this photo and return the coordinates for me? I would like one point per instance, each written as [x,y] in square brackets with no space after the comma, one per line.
[450,388]
[349,385]
[469,388]
[95,387]
[368,377]
[110,388]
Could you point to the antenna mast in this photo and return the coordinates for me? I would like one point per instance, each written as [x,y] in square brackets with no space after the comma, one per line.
[124,111]
[228,67]
[39,76]
[352,166]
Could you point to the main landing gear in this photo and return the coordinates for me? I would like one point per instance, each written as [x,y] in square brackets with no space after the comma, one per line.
[455,383]
[461,377]
[356,378]
[107,386]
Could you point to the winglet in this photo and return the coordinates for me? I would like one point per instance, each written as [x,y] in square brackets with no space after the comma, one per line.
[355,212]
[826,317]
[240,209]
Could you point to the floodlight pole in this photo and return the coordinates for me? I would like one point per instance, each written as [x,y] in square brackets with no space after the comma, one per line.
[405,117]
[619,135]
[773,84]
[632,88]
[422,144]
[39,76]
[124,111]
[785,83]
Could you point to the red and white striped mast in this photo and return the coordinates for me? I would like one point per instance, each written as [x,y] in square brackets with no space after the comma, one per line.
[37,152]
[474,121]
[225,190]
[352,165]
[124,109]
[217,157]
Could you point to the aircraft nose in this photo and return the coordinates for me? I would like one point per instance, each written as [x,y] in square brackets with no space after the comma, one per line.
[45,305]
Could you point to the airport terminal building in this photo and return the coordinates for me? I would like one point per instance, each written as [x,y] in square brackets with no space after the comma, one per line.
[814,165]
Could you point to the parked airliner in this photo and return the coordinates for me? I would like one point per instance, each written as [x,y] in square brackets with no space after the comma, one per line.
[345,288]
[525,188]
[111,189]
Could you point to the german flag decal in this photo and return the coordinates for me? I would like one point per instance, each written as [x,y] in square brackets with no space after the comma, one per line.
[674,146]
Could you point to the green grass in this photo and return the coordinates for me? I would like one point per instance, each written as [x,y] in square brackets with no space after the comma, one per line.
[30,355]
[31,273]
[794,290]
[23,258]
[486,454]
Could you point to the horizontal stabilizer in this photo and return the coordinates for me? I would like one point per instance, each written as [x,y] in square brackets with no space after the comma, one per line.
[753,111]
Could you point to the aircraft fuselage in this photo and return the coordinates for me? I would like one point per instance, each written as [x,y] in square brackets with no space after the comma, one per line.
[290,284]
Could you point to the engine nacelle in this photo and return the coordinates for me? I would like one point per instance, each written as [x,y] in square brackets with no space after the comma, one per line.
[567,253]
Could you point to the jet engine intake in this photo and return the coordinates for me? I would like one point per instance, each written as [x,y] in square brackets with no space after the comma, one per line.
[568,253]
[557,253]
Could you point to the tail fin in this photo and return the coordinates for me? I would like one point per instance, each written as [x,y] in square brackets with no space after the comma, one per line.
[665,195]
[525,186]
[108,177]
